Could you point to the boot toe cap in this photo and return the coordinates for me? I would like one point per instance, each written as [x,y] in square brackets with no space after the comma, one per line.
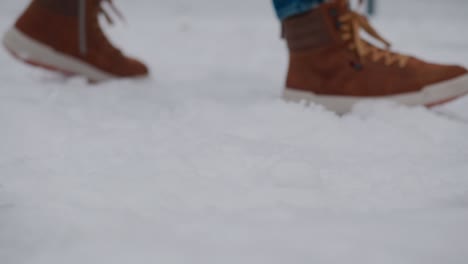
[137,68]
[444,73]
[429,73]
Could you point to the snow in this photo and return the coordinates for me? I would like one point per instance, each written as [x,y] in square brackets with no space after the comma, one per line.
[203,163]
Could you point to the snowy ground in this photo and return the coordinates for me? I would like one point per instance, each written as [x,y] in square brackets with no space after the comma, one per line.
[203,163]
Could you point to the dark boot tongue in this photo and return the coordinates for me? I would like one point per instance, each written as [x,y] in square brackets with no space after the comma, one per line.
[63,7]
[342,5]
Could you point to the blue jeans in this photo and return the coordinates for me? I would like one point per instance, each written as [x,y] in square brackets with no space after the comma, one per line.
[287,8]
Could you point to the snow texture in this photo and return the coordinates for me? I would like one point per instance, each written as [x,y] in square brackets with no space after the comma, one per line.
[203,163]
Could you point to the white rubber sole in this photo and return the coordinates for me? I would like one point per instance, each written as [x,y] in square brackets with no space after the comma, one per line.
[33,52]
[430,96]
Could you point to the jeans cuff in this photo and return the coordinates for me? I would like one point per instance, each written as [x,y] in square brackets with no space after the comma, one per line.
[296,9]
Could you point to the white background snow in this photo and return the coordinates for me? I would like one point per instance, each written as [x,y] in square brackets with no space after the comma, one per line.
[203,163]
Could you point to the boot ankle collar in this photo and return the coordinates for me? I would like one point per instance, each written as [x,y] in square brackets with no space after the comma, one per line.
[308,30]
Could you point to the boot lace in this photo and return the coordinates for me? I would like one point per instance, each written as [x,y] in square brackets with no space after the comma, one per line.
[94,26]
[351,24]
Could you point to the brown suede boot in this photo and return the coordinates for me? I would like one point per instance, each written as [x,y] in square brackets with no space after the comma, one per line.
[332,65]
[65,35]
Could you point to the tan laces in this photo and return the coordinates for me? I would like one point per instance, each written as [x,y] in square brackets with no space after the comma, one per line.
[352,22]
[115,10]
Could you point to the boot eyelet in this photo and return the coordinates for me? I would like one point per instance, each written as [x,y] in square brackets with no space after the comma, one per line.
[338,25]
[356,66]
[333,12]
